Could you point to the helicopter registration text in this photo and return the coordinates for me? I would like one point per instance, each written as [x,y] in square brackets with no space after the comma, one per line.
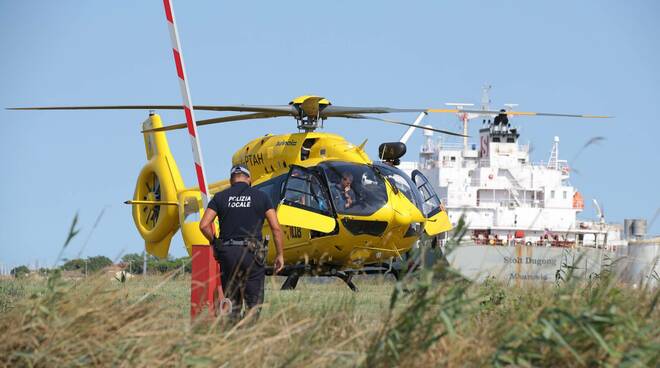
[253,159]
[295,232]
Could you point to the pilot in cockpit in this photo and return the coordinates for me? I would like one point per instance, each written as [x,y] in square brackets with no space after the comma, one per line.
[345,193]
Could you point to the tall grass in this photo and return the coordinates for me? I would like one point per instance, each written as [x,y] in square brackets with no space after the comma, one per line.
[431,318]
[426,321]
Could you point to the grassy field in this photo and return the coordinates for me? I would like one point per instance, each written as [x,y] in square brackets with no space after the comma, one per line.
[434,318]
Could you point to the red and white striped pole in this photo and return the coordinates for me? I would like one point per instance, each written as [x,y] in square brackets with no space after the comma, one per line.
[187,101]
[205,288]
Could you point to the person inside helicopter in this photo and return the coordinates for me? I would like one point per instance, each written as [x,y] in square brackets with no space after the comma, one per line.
[344,192]
[306,190]
[355,189]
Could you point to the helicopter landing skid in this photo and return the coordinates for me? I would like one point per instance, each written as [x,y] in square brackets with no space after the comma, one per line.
[348,279]
[291,281]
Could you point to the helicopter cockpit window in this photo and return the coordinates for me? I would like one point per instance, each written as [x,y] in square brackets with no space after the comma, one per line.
[403,183]
[431,202]
[355,189]
[303,189]
[273,188]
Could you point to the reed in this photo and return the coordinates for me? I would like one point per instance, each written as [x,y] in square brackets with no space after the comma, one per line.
[425,320]
[430,318]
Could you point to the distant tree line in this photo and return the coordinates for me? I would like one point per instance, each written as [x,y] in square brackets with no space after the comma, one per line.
[89,265]
[20,271]
[132,262]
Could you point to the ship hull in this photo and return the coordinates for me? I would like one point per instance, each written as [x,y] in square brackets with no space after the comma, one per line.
[521,264]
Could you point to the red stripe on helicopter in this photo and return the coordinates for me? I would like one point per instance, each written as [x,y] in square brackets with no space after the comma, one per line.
[179,66]
[189,120]
[168,10]
[200,178]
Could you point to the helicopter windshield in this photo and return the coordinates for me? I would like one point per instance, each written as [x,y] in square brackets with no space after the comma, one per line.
[403,183]
[355,189]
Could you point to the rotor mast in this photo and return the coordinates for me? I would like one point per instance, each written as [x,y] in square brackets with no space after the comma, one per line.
[309,124]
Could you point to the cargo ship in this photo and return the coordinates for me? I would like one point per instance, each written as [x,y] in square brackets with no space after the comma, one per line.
[522,217]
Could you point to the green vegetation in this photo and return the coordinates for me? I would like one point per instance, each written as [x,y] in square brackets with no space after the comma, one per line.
[134,263]
[434,318]
[20,271]
[90,265]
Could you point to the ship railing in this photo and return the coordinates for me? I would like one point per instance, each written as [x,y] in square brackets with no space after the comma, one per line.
[444,162]
[497,241]
[451,146]
[527,203]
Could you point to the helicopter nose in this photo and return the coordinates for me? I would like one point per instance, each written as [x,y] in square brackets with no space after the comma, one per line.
[405,213]
[401,217]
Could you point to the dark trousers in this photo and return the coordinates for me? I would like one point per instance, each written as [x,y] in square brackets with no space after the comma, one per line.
[242,278]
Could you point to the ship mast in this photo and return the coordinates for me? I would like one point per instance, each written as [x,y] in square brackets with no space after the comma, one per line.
[553,162]
[464,117]
[485,99]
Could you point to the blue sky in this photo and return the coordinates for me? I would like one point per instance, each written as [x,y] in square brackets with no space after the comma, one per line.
[597,57]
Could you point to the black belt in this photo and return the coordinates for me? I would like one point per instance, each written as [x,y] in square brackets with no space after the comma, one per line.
[236,242]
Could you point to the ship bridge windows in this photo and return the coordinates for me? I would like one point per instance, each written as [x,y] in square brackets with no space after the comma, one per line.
[508,198]
[448,161]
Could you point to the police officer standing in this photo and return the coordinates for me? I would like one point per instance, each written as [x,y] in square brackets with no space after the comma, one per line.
[240,250]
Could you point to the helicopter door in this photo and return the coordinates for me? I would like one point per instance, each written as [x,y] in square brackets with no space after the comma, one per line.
[437,220]
[305,202]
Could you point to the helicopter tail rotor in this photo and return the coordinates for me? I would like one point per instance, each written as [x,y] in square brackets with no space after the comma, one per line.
[155,210]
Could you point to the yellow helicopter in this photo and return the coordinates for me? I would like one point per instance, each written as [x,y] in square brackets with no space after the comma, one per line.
[306,175]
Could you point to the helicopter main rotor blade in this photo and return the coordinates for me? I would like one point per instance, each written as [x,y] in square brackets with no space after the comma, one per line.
[338,111]
[402,123]
[224,119]
[516,113]
[328,111]
[237,108]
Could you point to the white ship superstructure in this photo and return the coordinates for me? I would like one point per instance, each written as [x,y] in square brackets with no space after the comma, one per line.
[504,196]
[522,216]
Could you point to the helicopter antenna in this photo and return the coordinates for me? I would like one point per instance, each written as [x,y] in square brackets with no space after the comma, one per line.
[187,101]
